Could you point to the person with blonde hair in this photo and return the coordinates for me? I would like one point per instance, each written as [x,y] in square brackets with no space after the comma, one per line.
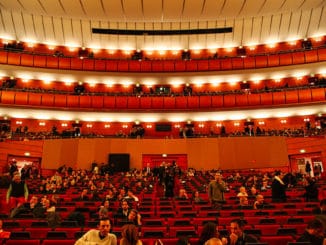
[213,241]
[129,235]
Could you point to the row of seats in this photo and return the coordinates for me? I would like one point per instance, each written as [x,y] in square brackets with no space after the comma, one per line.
[234,63]
[180,102]
[264,240]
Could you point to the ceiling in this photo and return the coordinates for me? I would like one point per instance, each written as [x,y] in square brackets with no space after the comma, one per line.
[69,22]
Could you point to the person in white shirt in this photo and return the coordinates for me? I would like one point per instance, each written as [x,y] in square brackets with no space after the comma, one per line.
[100,236]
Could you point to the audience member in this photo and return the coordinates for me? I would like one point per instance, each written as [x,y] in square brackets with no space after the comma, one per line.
[278,188]
[216,189]
[123,211]
[197,198]
[314,233]
[243,196]
[17,192]
[129,235]
[33,207]
[182,195]
[100,236]
[259,203]
[214,241]
[311,188]
[321,209]
[209,231]
[237,235]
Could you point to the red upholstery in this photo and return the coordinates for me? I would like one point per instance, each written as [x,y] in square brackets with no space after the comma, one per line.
[13,58]
[277,240]
[27,60]
[121,102]
[85,101]
[291,96]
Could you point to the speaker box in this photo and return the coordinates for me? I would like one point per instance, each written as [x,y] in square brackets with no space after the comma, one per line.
[119,162]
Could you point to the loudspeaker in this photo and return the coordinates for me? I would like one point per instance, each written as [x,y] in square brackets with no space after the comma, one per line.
[119,162]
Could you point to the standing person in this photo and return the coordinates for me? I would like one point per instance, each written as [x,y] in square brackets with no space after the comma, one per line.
[237,235]
[17,193]
[216,189]
[308,168]
[100,236]
[278,188]
[129,235]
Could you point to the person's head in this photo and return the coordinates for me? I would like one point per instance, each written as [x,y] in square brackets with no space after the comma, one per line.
[322,204]
[103,213]
[242,189]
[237,227]
[104,226]
[315,227]
[132,214]
[33,200]
[209,231]
[129,232]
[260,198]
[213,241]
[124,205]
[218,176]
[183,240]
[16,178]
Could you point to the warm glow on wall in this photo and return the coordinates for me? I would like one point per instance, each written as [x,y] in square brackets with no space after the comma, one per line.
[283,121]
[41,123]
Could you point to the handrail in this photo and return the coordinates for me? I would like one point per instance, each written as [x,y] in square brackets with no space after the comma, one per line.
[197,65]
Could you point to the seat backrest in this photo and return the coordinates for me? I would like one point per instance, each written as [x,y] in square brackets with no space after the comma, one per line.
[20,235]
[56,234]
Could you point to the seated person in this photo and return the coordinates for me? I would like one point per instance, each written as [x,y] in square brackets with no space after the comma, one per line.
[243,196]
[237,235]
[259,203]
[131,197]
[123,211]
[83,196]
[134,217]
[33,207]
[321,209]
[314,233]
[182,195]
[197,198]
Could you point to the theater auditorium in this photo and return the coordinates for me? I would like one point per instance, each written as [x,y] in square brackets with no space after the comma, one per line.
[150,102]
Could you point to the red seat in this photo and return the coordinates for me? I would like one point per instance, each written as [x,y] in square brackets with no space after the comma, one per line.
[58,241]
[38,232]
[23,241]
[277,240]
[268,229]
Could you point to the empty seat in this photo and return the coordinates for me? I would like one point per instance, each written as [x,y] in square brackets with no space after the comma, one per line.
[25,242]
[286,231]
[56,235]
[20,235]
